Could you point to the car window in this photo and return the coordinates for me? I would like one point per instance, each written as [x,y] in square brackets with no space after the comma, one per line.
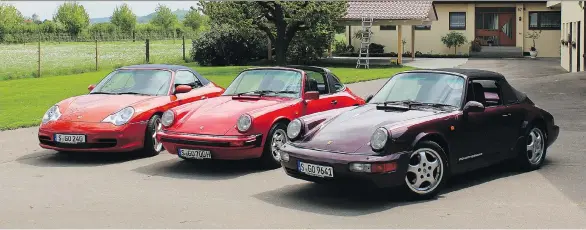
[284,83]
[321,81]
[135,81]
[338,86]
[184,77]
[423,87]
[487,92]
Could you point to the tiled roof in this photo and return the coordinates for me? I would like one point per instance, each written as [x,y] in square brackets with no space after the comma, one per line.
[390,10]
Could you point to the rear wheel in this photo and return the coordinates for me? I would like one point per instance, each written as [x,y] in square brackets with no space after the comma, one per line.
[152,147]
[531,157]
[271,156]
[427,171]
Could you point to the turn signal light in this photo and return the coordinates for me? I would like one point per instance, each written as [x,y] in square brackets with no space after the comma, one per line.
[373,168]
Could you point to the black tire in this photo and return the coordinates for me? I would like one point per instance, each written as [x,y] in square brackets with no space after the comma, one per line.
[149,141]
[431,148]
[524,157]
[268,160]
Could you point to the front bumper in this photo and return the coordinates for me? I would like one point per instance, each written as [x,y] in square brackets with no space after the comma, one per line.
[341,166]
[100,137]
[221,147]
[553,134]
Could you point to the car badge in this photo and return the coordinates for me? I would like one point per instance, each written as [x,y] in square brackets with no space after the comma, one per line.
[79,117]
[201,127]
[330,142]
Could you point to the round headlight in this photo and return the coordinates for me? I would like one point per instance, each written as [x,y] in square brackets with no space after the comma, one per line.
[244,122]
[168,118]
[294,129]
[52,114]
[379,138]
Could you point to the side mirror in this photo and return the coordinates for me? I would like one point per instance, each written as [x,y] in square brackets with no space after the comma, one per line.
[182,89]
[368,98]
[91,87]
[473,107]
[311,95]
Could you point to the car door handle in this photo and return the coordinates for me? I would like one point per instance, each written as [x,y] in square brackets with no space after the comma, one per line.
[334,102]
[506,115]
[203,97]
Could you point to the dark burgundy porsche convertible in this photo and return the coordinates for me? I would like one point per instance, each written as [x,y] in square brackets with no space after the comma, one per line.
[421,127]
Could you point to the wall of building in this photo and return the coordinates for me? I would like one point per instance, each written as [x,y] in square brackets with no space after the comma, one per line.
[572,12]
[429,41]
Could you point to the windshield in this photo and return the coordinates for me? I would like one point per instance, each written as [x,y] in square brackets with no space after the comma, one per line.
[269,82]
[135,81]
[433,88]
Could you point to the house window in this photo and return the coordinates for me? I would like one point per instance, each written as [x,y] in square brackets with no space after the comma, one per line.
[389,27]
[545,20]
[422,27]
[457,20]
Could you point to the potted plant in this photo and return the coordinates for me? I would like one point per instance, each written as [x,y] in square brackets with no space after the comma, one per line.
[533,35]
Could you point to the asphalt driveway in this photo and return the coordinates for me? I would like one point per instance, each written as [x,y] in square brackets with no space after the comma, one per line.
[40,189]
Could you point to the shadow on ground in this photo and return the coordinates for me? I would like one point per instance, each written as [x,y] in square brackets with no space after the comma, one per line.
[353,200]
[47,158]
[201,170]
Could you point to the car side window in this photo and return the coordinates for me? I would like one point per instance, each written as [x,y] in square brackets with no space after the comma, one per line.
[487,92]
[321,81]
[184,77]
[338,86]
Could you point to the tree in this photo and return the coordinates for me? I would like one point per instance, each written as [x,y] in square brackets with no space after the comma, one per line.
[280,21]
[124,18]
[73,16]
[9,16]
[36,19]
[193,19]
[454,39]
[164,17]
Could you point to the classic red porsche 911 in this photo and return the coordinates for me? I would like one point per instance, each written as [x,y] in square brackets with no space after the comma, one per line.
[123,112]
[250,118]
[419,129]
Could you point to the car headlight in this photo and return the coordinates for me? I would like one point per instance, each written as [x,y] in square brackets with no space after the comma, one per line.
[120,117]
[52,114]
[294,129]
[379,139]
[168,118]
[244,122]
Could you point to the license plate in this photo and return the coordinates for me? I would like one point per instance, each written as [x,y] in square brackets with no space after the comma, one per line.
[195,154]
[69,138]
[315,170]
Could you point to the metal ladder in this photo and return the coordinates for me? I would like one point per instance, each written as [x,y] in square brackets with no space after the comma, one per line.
[363,55]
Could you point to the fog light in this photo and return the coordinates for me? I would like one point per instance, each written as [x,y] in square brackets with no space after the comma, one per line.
[284,156]
[373,168]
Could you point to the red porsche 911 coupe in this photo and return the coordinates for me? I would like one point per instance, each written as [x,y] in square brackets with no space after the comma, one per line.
[123,112]
[249,120]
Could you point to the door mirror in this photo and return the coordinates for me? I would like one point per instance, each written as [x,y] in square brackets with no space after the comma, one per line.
[311,95]
[182,89]
[369,98]
[473,107]
[91,87]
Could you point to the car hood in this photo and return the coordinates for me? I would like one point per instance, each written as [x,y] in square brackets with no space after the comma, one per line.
[217,116]
[351,130]
[96,107]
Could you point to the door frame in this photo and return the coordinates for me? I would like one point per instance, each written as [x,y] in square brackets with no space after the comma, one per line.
[578,58]
[570,45]
[498,11]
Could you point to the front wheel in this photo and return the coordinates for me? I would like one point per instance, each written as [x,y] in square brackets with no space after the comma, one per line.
[427,171]
[531,157]
[152,147]
[271,156]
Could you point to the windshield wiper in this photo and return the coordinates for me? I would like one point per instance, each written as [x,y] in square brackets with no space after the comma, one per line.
[104,93]
[134,93]
[258,92]
[410,103]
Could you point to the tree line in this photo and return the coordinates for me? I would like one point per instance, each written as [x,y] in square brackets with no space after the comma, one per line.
[72,20]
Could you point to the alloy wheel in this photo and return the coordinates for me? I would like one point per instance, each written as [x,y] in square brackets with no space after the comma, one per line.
[278,140]
[158,146]
[425,171]
[535,146]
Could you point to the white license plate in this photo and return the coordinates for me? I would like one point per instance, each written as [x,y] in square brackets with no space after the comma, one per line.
[195,154]
[315,170]
[69,139]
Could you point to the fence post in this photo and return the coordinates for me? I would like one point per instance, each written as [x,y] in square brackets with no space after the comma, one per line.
[184,59]
[147,51]
[39,57]
[133,36]
[96,54]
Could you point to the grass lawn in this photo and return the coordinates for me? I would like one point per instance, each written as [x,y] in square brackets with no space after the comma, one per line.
[24,101]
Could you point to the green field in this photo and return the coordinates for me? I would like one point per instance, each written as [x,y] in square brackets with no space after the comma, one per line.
[24,101]
[21,60]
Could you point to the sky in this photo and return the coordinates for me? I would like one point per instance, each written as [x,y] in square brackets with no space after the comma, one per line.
[96,9]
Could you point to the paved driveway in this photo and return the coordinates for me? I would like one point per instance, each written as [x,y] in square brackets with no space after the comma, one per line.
[39,189]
